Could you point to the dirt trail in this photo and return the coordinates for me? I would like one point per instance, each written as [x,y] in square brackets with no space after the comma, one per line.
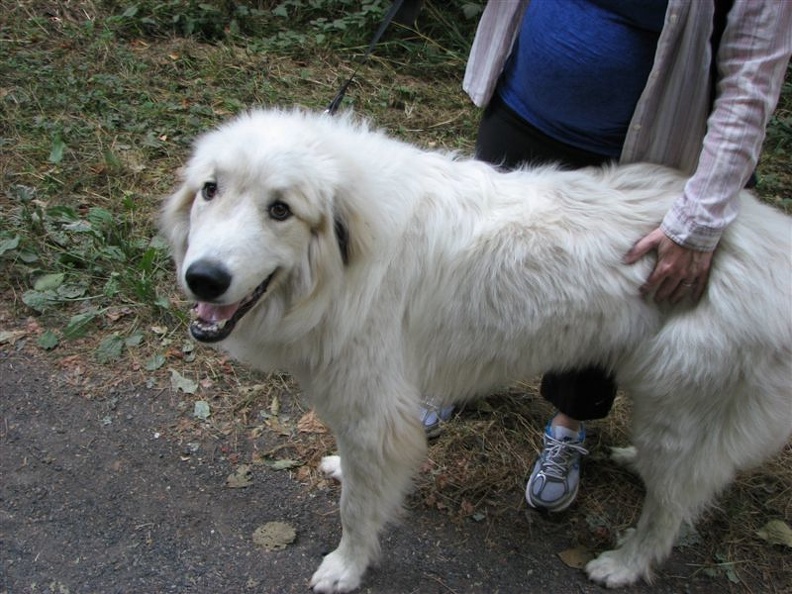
[96,496]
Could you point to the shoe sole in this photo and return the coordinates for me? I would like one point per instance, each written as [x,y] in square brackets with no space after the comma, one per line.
[433,431]
[552,510]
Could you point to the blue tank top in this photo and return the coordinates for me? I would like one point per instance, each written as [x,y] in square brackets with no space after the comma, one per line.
[578,68]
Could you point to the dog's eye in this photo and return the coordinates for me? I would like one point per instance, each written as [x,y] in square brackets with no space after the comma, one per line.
[279,211]
[209,190]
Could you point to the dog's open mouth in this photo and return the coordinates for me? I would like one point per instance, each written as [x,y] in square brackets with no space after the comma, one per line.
[213,323]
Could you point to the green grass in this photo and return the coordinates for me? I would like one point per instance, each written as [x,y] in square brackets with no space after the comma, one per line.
[101,100]
[775,168]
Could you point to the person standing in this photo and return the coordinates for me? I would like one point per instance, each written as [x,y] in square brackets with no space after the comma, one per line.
[690,85]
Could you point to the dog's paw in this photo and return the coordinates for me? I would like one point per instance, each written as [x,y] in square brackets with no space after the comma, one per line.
[609,570]
[624,456]
[336,574]
[331,467]
[625,536]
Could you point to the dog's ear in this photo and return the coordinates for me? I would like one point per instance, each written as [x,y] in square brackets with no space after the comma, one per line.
[342,237]
[174,223]
[334,248]
[352,234]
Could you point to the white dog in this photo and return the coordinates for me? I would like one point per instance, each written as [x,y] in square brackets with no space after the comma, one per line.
[376,273]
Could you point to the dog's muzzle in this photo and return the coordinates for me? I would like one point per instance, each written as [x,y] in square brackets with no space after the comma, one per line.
[213,322]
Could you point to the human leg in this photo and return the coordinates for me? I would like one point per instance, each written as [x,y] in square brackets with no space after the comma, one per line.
[579,395]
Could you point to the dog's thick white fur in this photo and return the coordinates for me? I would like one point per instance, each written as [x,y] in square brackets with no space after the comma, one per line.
[396,273]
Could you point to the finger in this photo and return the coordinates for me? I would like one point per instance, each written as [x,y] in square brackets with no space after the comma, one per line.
[640,249]
[662,281]
[683,290]
[701,286]
[663,289]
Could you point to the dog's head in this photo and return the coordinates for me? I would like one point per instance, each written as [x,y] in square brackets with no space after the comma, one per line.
[256,219]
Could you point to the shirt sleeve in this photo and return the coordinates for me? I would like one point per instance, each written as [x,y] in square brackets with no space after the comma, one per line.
[752,60]
[497,29]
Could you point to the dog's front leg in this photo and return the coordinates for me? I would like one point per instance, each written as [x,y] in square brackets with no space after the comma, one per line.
[379,456]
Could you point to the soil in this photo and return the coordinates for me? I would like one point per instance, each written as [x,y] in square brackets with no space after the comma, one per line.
[99,495]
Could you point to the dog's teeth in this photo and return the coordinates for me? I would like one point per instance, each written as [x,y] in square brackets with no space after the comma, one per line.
[220,325]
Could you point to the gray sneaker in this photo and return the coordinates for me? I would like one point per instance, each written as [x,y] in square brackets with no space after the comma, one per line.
[555,478]
[432,416]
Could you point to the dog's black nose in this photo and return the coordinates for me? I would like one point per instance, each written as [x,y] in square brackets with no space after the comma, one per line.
[207,279]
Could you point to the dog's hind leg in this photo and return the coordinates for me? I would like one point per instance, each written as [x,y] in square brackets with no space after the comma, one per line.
[687,450]
[640,547]
[379,454]
[682,470]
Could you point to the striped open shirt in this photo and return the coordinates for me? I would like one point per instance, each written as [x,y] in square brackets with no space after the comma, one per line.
[674,122]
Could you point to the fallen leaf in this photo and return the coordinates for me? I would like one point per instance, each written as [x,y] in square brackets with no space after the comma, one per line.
[47,341]
[576,558]
[240,478]
[134,341]
[110,348]
[201,410]
[79,324]
[116,314]
[9,244]
[310,423]
[723,568]
[179,382]
[39,300]
[57,150]
[776,532]
[278,427]
[274,536]
[256,432]
[284,464]
[71,291]
[11,336]
[49,282]
[155,362]
[71,361]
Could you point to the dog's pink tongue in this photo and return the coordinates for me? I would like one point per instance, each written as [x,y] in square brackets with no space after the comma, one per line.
[215,313]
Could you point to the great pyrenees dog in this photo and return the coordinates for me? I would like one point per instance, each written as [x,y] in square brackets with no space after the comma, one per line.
[378,274]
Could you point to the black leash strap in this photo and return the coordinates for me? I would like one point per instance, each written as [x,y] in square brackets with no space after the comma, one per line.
[336,102]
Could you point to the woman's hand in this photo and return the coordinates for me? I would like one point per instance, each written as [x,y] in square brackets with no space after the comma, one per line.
[679,272]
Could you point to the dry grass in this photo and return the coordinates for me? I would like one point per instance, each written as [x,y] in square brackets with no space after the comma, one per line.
[479,465]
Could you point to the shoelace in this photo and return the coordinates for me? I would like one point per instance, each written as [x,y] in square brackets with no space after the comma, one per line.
[558,453]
